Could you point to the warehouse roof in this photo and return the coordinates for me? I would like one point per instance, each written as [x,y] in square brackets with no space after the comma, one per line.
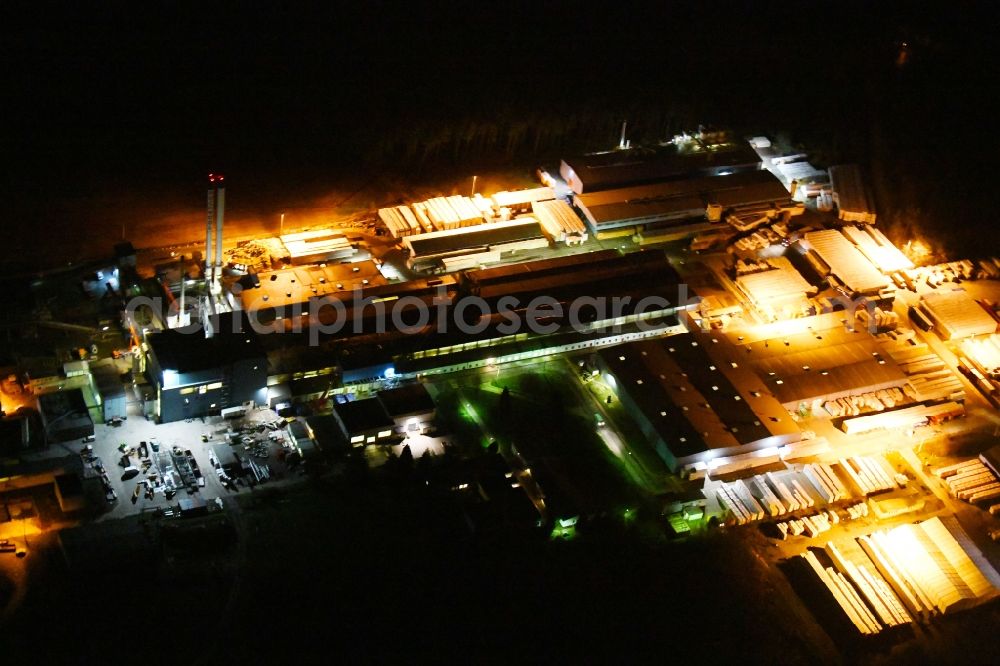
[192,352]
[693,401]
[485,235]
[680,198]
[624,167]
[362,415]
[849,188]
[291,286]
[879,249]
[846,261]
[591,274]
[406,399]
[782,283]
[822,359]
[959,313]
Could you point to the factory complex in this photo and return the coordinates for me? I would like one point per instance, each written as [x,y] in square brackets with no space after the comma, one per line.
[717,322]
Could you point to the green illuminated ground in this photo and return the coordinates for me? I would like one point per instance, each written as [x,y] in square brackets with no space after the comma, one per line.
[548,419]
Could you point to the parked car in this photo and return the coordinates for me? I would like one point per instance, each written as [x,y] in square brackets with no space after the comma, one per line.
[111,495]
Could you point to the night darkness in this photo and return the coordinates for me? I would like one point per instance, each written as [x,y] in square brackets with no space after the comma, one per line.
[102,108]
[108,116]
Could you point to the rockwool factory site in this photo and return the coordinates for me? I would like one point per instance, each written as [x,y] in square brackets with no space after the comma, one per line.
[706,336]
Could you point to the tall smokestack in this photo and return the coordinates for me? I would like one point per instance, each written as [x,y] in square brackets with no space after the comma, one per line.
[220,212]
[208,223]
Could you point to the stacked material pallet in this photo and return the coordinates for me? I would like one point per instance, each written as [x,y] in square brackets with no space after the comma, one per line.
[420,211]
[845,595]
[741,505]
[560,222]
[521,201]
[873,588]
[788,498]
[826,482]
[400,221]
[971,481]
[868,474]
[816,524]
[928,375]
[766,497]
[908,417]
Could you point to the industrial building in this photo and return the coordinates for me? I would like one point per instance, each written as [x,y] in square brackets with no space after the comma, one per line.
[898,576]
[196,376]
[65,416]
[878,249]
[110,390]
[363,421]
[851,195]
[410,406]
[620,168]
[472,246]
[276,293]
[812,360]
[14,435]
[835,257]
[400,411]
[692,407]
[956,314]
[318,246]
[678,202]
[777,293]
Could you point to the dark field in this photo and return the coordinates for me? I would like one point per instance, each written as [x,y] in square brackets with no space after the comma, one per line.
[110,127]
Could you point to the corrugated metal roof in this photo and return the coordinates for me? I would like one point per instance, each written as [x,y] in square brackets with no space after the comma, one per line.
[846,262]
[782,283]
[959,312]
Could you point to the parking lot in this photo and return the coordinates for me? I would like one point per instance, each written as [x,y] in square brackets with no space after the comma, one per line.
[169,471]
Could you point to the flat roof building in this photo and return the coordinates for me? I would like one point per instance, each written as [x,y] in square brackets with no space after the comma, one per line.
[679,200]
[197,376]
[845,263]
[619,168]
[363,421]
[691,406]
[410,406]
[519,234]
[313,247]
[956,314]
[854,201]
[779,293]
[878,249]
[65,416]
[280,290]
[812,359]
[110,390]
